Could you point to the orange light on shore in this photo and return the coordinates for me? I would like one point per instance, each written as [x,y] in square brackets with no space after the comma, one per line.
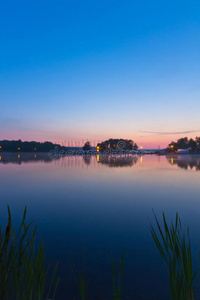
[18,148]
[0,147]
[97,148]
[35,149]
[172,146]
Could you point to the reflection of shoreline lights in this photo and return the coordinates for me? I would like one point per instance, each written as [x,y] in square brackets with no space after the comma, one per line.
[191,162]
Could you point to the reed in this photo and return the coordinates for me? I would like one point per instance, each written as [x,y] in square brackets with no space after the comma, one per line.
[80,277]
[23,275]
[174,247]
[117,278]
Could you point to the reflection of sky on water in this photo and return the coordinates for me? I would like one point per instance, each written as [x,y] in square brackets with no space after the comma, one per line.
[82,203]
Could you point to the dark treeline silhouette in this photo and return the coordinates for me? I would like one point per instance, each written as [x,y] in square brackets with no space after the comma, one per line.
[185,143]
[87,146]
[117,144]
[19,146]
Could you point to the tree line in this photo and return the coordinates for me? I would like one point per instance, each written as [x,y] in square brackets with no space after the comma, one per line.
[185,143]
[117,144]
[19,146]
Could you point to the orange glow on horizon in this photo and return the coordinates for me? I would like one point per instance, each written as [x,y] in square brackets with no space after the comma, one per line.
[96,135]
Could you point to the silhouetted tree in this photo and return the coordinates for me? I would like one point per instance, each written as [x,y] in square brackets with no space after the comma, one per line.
[192,144]
[184,143]
[198,141]
[172,147]
[87,146]
[19,146]
[117,144]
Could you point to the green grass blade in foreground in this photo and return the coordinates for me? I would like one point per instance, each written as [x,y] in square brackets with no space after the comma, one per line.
[175,248]
[22,273]
[117,278]
[80,277]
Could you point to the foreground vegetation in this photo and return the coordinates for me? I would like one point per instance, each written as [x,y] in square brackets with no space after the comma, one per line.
[175,248]
[23,275]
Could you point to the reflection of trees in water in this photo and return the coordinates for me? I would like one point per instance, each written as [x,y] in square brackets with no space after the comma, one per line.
[69,161]
[186,162]
[118,161]
[87,159]
[19,158]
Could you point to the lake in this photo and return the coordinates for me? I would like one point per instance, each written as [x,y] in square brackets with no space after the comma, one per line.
[103,205]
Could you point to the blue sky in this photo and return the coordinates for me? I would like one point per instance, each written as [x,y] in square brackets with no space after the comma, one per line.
[78,70]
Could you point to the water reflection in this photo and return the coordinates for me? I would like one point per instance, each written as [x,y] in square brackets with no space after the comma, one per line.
[15,158]
[186,162]
[91,203]
[118,161]
[69,161]
[87,159]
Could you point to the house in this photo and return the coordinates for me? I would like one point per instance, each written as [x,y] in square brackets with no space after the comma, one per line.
[183,151]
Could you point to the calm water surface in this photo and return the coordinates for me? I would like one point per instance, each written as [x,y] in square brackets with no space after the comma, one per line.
[103,206]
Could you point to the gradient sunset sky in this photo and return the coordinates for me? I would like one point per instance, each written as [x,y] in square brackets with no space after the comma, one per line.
[77,70]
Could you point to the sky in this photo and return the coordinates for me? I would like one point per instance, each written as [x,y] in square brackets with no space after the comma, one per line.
[76,70]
